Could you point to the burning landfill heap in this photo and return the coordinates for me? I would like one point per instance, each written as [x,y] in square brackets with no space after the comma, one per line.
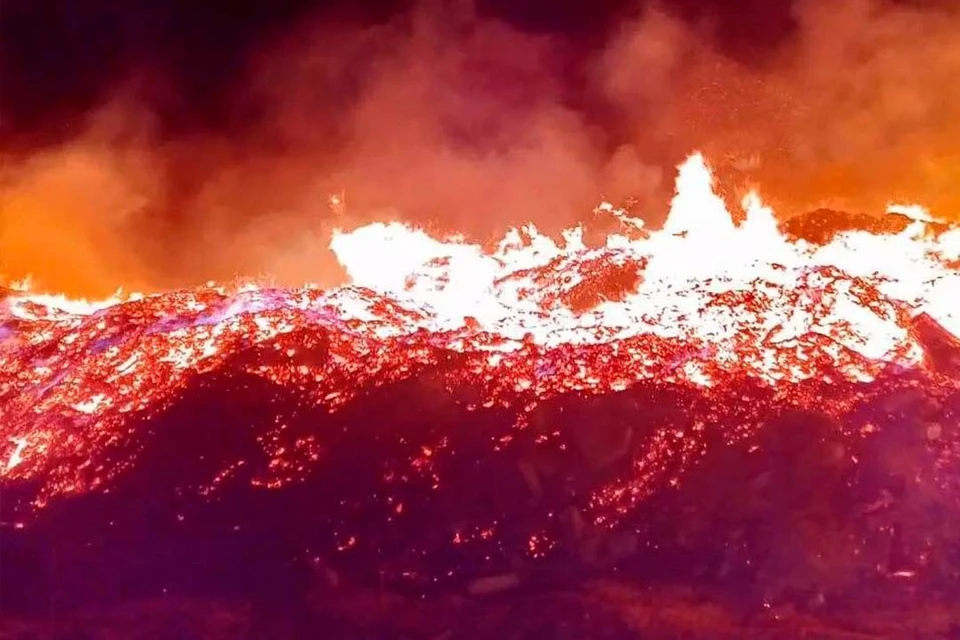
[709,401]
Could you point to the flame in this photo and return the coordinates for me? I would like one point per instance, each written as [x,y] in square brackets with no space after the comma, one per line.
[699,303]
[698,255]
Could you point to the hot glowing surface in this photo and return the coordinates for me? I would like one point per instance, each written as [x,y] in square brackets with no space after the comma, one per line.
[701,304]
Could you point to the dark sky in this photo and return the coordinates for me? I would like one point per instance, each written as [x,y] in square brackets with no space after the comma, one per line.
[58,57]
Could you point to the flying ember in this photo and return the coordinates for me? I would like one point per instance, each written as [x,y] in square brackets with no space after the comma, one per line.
[740,314]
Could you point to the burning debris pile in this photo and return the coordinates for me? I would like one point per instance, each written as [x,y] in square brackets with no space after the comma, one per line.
[710,402]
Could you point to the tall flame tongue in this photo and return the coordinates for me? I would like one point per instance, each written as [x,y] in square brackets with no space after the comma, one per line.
[737,313]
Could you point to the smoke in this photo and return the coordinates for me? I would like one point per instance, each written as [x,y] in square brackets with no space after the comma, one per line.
[466,124]
[857,108]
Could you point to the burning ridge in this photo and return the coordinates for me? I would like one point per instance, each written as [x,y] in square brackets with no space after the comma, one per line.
[407,407]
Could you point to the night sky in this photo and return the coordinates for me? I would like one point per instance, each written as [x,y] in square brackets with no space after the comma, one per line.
[59,57]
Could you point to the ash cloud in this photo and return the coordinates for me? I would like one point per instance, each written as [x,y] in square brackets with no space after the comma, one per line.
[466,124]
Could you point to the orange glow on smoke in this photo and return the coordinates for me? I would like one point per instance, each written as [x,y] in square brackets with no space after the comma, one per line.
[60,221]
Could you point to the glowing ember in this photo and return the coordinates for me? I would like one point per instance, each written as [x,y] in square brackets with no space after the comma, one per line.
[702,304]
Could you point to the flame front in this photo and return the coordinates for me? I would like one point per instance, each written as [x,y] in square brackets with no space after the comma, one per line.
[700,304]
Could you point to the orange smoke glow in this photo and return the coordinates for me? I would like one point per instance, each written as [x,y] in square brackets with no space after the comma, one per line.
[62,222]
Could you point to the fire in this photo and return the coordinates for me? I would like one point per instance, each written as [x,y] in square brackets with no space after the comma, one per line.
[699,304]
[699,254]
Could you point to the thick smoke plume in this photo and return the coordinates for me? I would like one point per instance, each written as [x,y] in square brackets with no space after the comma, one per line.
[466,124]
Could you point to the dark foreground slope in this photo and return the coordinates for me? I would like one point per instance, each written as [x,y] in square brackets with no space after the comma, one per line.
[811,520]
[608,609]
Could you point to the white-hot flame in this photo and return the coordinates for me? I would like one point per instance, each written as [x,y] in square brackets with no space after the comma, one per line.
[698,255]
[699,252]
